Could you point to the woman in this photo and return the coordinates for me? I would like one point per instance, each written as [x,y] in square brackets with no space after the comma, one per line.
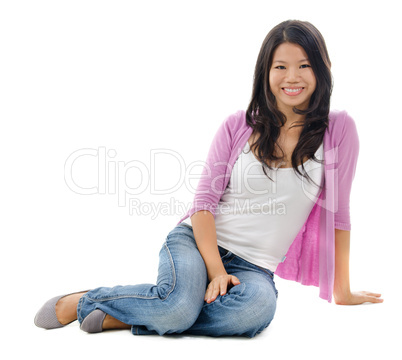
[272,198]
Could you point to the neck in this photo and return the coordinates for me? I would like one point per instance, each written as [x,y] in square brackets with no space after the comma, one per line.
[293,119]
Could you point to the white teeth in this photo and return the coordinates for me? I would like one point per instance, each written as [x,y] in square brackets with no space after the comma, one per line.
[293,90]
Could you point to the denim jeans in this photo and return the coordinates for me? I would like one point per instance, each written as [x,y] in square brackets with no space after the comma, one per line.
[175,305]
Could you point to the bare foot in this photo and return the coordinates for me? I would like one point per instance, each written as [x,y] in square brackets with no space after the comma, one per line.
[66,308]
[112,323]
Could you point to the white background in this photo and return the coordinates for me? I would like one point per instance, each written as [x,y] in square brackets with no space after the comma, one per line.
[133,76]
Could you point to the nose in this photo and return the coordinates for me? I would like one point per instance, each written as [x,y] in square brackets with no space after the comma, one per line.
[292,75]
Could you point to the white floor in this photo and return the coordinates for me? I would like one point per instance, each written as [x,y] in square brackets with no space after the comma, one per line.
[304,327]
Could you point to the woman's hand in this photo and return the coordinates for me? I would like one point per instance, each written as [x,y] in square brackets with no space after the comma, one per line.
[219,286]
[358,297]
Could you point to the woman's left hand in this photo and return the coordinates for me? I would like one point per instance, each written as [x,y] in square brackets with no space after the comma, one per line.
[359,297]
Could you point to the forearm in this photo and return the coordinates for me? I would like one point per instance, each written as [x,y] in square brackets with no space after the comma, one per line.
[204,230]
[342,251]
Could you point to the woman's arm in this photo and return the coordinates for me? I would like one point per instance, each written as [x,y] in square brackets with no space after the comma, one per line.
[210,188]
[342,293]
[203,223]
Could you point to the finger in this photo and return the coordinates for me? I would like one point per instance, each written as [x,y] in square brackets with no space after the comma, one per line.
[368,298]
[213,292]
[370,293]
[206,297]
[223,287]
[208,293]
[375,299]
[235,280]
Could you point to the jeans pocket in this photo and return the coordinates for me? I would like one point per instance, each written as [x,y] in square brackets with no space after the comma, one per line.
[267,272]
[226,255]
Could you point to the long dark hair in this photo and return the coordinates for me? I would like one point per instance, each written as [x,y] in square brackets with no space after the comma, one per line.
[262,113]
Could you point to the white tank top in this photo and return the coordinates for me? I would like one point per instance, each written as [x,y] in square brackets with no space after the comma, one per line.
[258,219]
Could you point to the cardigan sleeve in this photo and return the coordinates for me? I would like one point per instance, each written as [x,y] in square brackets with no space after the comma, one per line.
[212,182]
[347,155]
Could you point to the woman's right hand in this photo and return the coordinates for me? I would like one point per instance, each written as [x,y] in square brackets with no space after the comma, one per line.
[219,286]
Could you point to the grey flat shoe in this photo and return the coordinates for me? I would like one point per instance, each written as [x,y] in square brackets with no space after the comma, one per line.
[46,317]
[93,322]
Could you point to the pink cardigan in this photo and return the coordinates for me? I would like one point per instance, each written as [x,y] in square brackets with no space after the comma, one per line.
[310,259]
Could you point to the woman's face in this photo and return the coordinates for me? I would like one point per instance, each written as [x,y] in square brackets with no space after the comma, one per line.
[291,78]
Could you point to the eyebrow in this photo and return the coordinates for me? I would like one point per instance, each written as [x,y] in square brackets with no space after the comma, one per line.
[284,62]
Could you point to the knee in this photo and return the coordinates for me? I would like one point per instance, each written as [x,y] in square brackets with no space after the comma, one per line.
[259,310]
[179,317]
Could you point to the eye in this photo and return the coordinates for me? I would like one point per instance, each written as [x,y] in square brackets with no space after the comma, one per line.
[304,66]
[280,67]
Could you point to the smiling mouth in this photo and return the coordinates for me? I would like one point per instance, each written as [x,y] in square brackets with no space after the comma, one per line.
[292,91]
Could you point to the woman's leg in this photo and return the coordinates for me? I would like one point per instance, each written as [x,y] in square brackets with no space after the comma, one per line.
[170,306]
[246,309]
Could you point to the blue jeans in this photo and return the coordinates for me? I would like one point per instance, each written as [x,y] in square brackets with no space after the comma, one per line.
[175,305]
